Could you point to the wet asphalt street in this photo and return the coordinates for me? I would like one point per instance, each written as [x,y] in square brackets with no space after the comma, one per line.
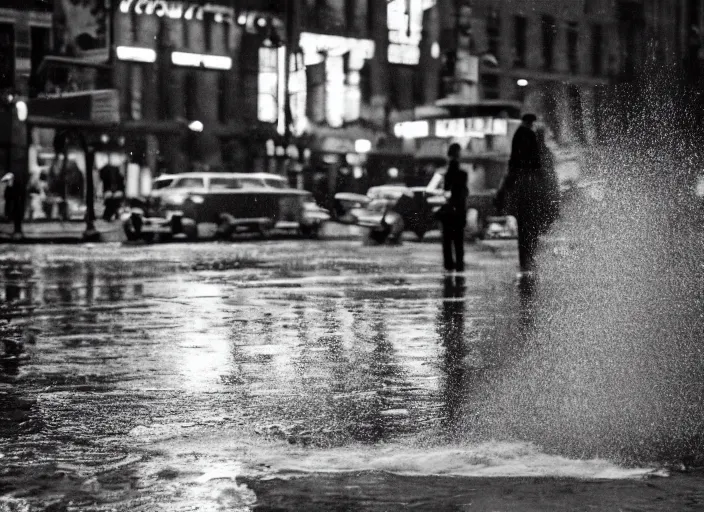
[280,375]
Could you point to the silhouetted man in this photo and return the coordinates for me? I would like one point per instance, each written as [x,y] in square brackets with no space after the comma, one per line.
[527,187]
[454,212]
[113,190]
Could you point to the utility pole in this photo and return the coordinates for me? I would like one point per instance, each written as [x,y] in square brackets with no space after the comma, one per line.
[292,33]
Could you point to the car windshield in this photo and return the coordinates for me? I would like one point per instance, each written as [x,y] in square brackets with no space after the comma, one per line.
[252,182]
[189,183]
[224,183]
[386,193]
[162,183]
[275,183]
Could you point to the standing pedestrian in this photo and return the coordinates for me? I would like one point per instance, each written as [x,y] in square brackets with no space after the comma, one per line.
[453,214]
[528,189]
[113,189]
[9,195]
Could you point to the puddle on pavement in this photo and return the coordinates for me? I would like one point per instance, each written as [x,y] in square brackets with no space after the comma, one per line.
[148,377]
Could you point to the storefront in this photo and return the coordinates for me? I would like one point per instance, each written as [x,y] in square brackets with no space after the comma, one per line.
[336,161]
[483,131]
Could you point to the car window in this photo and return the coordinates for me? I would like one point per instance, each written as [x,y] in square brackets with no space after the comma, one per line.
[159,184]
[252,182]
[274,183]
[189,183]
[225,183]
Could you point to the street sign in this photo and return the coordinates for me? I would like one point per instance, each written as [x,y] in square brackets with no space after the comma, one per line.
[99,106]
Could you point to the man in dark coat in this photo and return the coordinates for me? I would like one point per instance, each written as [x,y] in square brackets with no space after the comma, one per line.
[529,190]
[523,167]
[113,190]
[454,212]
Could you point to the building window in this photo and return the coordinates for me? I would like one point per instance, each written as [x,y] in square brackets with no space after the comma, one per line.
[370,16]
[226,37]
[41,45]
[7,55]
[572,47]
[191,96]
[549,31]
[575,104]
[597,49]
[490,86]
[551,110]
[493,33]
[350,18]
[186,33]
[222,98]
[208,33]
[520,29]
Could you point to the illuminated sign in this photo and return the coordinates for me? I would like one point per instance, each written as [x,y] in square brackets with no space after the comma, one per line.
[316,46]
[342,79]
[412,129]
[199,60]
[177,10]
[452,128]
[135,54]
[470,127]
[405,24]
[268,84]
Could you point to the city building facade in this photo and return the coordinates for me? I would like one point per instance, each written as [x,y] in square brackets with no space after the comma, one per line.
[314,89]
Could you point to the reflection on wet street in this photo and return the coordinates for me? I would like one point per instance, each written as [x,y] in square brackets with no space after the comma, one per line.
[185,377]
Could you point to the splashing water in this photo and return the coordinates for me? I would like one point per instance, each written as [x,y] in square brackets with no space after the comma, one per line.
[613,366]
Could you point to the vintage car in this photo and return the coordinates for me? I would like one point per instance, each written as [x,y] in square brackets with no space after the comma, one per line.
[389,209]
[415,209]
[221,204]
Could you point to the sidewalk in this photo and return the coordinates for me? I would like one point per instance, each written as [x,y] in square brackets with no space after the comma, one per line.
[59,232]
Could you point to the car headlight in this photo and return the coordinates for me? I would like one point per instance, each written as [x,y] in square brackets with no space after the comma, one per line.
[197,199]
[175,199]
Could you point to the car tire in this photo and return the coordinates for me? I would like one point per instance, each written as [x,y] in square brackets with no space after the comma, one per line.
[132,229]
[264,231]
[310,231]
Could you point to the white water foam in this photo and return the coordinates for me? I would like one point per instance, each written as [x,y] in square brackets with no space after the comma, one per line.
[490,459]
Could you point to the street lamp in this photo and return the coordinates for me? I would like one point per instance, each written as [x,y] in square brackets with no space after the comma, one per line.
[195,126]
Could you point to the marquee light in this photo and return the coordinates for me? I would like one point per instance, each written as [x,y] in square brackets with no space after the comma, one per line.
[199,60]
[362,145]
[477,127]
[176,10]
[136,54]
[412,129]
[470,127]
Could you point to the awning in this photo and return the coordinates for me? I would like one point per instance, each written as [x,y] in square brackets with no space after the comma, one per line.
[145,127]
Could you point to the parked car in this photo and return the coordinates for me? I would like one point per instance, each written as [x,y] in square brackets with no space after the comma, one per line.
[191,204]
[389,209]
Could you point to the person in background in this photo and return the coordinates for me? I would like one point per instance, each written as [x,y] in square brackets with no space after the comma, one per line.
[528,188]
[113,189]
[453,214]
[37,195]
[9,195]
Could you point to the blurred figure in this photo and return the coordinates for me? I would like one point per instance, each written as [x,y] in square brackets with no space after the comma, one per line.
[453,214]
[530,183]
[9,195]
[37,195]
[113,189]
